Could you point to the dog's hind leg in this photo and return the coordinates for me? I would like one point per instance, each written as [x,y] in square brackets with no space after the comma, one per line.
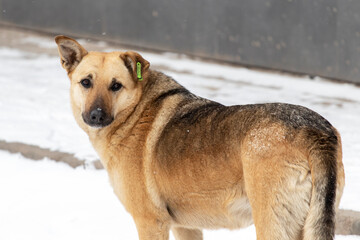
[187,234]
[279,191]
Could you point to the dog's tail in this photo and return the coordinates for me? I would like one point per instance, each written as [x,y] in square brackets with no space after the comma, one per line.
[324,152]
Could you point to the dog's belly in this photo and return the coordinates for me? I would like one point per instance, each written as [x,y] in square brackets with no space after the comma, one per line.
[211,212]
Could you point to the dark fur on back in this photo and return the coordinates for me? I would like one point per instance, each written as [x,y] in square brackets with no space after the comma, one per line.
[198,119]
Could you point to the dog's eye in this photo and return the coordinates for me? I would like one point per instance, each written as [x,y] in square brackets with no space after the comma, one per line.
[86,83]
[116,86]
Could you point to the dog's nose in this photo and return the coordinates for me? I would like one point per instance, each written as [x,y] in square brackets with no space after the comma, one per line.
[97,116]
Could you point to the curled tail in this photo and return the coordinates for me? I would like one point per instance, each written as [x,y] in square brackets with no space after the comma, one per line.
[327,184]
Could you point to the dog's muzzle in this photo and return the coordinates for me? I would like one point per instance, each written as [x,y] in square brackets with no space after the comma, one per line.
[97,118]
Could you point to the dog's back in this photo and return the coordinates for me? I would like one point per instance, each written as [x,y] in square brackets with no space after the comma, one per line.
[285,158]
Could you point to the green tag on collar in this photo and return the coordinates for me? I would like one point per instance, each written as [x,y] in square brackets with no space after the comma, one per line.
[138,71]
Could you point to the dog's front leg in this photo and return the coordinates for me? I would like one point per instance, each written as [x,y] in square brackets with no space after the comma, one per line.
[152,229]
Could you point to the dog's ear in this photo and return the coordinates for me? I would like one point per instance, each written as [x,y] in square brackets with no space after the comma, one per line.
[136,64]
[70,51]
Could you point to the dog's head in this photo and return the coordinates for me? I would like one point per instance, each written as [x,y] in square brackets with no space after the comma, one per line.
[103,85]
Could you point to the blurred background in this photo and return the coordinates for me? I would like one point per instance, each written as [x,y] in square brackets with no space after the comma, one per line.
[314,37]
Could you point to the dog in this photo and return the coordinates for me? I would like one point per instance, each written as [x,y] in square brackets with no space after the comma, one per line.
[183,163]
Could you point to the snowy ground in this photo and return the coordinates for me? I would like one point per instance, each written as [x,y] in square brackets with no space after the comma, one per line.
[48,200]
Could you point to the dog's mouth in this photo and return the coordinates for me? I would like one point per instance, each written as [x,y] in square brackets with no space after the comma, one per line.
[97,118]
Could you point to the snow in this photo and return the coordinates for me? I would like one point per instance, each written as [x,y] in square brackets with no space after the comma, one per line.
[45,200]
[49,200]
[37,41]
[52,201]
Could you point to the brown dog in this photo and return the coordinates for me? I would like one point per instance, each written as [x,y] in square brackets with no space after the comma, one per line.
[177,161]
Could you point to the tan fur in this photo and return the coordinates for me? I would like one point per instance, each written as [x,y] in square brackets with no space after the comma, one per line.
[180,162]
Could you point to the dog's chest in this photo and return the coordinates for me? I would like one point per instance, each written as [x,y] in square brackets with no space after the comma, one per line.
[124,168]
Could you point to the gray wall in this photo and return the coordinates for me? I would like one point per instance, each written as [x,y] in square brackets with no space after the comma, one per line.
[316,37]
